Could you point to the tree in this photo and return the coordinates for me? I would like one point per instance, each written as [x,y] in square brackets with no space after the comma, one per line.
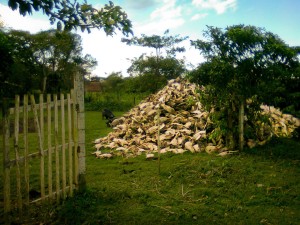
[147,67]
[21,71]
[242,62]
[159,43]
[113,82]
[60,55]
[69,15]
[156,70]
[113,85]
[6,59]
[43,61]
[285,92]
[55,52]
[86,64]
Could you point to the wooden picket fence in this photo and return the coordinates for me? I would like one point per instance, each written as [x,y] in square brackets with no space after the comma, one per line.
[43,149]
[56,130]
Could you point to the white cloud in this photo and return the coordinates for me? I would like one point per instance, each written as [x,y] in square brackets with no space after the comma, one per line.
[156,27]
[12,19]
[220,6]
[199,16]
[112,55]
[167,11]
[140,4]
[168,16]
[110,52]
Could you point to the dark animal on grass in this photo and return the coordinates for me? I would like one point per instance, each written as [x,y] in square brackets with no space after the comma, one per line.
[109,121]
[109,116]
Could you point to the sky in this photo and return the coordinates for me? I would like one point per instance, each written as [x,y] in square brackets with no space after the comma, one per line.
[181,17]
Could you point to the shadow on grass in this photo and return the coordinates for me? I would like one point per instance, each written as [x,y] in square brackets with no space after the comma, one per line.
[103,207]
[82,208]
[277,149]
[261,183]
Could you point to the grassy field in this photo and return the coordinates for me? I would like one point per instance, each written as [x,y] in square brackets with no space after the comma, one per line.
[258,186]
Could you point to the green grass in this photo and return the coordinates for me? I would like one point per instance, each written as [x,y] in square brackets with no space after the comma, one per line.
[120,101]
[258,186]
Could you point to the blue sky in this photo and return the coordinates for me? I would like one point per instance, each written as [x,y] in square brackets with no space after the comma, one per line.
[183,17]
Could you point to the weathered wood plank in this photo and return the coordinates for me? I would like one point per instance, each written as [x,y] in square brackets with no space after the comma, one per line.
[54,194]
[79,84]
[44,105]
[49,144]
[6,187]
[69,143]
[26,150]
[57,174]
[16,147]
[40,141]
[42,163]
[63,152]
[34,155]
[75,138]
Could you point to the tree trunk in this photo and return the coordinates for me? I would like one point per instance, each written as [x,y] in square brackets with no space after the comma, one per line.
[44,84]
[230,138]
[241,126]
[44,80]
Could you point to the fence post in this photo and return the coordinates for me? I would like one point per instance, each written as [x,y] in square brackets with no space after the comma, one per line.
[6,165]
[79,92]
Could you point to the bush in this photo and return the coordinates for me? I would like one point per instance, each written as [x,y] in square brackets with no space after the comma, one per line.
[115,102]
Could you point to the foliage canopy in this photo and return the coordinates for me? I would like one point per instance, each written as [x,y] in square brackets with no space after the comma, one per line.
[44,61]
[154,71]
[69,15]
[166,42]
[242,62]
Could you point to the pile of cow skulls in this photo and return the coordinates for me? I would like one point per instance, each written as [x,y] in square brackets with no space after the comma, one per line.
[173,120]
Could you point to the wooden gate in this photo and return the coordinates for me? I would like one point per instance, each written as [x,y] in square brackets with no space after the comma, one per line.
[43,148]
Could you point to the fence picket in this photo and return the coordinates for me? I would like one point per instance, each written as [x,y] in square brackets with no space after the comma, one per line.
[62,101]
[57,178]
[75,133]
[16,147]
[26,150]
[42,155]
[55,114]
[49,147]
[6,165]
[40,141]
[69,144]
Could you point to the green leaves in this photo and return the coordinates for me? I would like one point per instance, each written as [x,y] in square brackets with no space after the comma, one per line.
[73,15]
[242,62]
[42,61]
[154,71]
[249,51]
[167,42]
[12,4]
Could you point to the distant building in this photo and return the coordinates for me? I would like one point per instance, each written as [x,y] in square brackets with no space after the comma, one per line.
[93,86]
[97,79]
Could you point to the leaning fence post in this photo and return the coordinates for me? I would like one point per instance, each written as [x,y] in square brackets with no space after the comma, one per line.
[79,92]
[6,165]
